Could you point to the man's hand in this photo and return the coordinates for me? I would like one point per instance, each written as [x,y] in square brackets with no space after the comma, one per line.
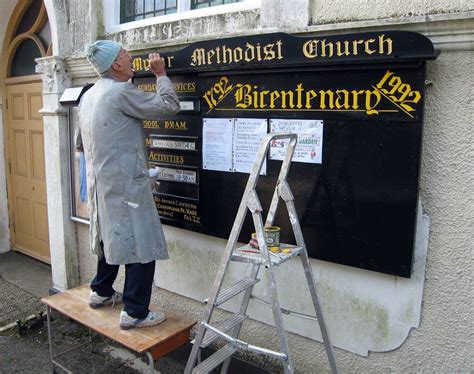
[157,65]
[153,172]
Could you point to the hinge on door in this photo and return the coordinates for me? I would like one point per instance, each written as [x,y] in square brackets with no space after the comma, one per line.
[6,104]
[10,166]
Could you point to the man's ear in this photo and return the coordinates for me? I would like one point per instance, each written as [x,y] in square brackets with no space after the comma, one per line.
[116,66]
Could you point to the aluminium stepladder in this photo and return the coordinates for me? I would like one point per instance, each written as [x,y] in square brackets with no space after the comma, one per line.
[229,329]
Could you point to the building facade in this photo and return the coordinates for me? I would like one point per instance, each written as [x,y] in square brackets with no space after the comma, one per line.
[378,322]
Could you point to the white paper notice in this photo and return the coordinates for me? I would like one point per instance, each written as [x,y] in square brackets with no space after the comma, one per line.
[310,140]
[248,133]
[217,144]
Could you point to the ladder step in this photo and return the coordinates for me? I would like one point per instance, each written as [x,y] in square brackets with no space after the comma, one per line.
[248,254]
[214,360]
[233,290]
[224,326]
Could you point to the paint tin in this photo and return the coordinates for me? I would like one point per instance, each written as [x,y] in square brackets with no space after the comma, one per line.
[272,238]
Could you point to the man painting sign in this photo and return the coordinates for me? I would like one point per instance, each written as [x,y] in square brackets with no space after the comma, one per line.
[125,228]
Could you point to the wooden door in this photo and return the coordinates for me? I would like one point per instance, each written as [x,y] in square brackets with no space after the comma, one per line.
[27,195]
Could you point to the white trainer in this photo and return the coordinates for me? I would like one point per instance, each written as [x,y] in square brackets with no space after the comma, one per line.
[96,301]
[152,319]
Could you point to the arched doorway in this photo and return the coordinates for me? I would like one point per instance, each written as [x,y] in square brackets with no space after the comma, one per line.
[28,37]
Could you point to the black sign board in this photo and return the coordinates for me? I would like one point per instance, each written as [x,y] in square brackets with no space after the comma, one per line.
[357,205]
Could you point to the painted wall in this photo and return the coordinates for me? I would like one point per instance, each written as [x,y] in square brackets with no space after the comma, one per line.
[428,317]
[6,8]
[340,11]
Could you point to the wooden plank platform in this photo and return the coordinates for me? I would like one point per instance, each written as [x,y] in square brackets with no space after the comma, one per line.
[159,340]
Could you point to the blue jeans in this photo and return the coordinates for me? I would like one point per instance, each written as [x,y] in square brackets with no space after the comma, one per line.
[136,290]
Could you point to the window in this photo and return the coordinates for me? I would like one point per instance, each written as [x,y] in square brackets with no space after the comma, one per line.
[30,39]
[129,14]
[133,10]
[196,4]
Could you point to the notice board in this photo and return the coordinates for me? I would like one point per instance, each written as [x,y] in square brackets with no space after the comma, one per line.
[356,103]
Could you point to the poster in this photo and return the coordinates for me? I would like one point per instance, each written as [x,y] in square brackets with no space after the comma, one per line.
[310,140]
[217,144]
[248,133]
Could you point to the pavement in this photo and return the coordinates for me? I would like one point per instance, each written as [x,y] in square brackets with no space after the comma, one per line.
[24,344]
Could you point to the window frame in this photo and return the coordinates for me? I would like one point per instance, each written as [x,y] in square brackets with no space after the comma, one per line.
[112,14]
[145,12]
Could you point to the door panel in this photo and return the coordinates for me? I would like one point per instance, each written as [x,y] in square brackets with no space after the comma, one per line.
[27,178]
[17,107]
[34,105]
[37,160]
[19,153]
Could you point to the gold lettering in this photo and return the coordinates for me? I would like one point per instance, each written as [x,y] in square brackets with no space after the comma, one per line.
[367,49]
[185,86]
[284,95]
[405,90]
[355,46]
[398,92]
[299,91]
[137,64]
[387,75]
[209,56]
[198,57]
[274,95]
[151,124]
[310,48]
[218,52]
[388,42]
[168,60]
[339,51]
[310,95]
[395,82]
[269,52]
[344,97]
[415,98]
[330,95]
[279,54]
[369,105]
[259,53]
[209,97]
[147,87]
[238,54]
[249,53]
[323,48]
[243,99]
[252,97]
[255,98]
[226,55]
[355,98]
[227,52]
[176,125]
[159,157]
[262,99]
[222,89]
[147,142]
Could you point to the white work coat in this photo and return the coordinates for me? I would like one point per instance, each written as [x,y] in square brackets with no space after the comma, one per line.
[121,207]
